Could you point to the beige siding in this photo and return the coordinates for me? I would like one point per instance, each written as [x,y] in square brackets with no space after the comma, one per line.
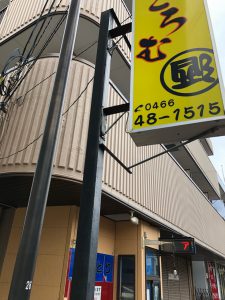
[158,188]
[21,13]
[53,254]
[200,157]
[58,235]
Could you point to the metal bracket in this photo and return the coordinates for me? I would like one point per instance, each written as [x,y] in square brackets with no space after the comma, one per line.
[116,109]
[120,30]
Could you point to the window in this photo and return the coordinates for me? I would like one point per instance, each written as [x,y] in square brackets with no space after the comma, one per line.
[152,270]
[126,277]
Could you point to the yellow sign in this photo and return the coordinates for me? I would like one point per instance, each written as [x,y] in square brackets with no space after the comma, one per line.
[175,79]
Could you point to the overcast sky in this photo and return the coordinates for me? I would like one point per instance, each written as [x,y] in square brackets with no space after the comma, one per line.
[217,14]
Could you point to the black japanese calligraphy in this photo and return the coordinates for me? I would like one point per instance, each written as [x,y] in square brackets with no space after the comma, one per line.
[167,14]
[147,44]
[190,70]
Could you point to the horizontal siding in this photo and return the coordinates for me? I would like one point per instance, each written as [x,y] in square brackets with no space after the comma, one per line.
[21,13]
[159,186]
[201,158]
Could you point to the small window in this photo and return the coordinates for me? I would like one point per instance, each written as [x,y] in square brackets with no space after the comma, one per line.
[152,270]
[126,277]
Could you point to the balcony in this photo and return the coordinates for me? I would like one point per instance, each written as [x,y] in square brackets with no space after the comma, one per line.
[15,32]
[159,190]
[194,159]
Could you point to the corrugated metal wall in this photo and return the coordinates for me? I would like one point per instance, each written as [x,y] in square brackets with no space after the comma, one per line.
[21,13]
[159,188]
[176,289]
[198,153]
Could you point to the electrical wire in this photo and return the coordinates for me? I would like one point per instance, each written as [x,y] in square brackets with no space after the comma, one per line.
[36,85]
[7,99]
[67,110]
[37,40]
[84,90]
[129,17]
[17,83]
[31,35]
[91,45]
[28,145]
[23,96]
[37,138]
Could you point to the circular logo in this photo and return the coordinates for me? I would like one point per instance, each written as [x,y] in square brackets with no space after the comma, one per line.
[191,72]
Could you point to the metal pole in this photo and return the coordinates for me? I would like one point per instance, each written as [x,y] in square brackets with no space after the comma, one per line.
[83,281]
[26,257]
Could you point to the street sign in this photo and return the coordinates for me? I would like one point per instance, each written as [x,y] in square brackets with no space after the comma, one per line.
[178,246]
[177,90]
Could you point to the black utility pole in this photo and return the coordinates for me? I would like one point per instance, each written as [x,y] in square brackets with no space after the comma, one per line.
[26,258]
[83,281]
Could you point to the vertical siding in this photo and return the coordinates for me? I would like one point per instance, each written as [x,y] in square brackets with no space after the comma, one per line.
[158,186]
[26,117]
[199,155]
[21,13]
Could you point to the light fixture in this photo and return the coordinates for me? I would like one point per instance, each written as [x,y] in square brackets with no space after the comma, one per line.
[145,235]
[175,272]
[133,219]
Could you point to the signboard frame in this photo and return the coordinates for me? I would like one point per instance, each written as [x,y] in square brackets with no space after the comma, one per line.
[189,251]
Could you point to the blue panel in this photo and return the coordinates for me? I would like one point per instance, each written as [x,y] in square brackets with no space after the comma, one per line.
[104,267]
[72,256]
[108,268]
[99,267]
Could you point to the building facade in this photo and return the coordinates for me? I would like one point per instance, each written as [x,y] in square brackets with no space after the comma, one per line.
[170,196]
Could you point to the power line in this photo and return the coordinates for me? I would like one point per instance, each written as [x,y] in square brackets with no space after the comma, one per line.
[28,145]
[22,96]
[15,87]
[17,84]
[36,41]
[84,90]
[36,139]
[32,32]
[7,99]
[91,45]
[65,112]
[36,85]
